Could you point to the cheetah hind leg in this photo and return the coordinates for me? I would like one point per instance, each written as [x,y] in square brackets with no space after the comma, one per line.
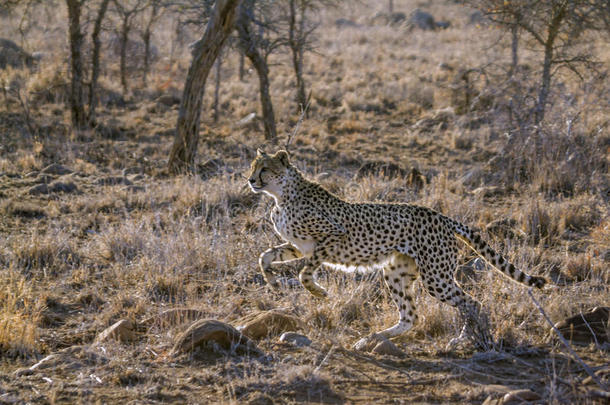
[475,330]
[475,325]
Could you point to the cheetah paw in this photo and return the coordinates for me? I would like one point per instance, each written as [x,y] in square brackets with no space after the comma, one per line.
[318,292]
[457,342]
[367,343]
[273,285]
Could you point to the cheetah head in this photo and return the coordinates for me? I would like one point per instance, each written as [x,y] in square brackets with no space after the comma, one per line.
[268,171]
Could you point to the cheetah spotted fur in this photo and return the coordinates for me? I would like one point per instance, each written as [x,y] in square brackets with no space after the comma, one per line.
[405,240]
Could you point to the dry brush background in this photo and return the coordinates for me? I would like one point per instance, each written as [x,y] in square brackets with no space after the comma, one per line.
[93,229]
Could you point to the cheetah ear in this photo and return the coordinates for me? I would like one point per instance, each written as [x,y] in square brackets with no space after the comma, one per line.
[260,152]
[282,156]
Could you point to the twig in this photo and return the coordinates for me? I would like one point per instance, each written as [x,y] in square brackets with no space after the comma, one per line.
[300,120]
[566,344]
[351,353]
[330,352]
[590,330]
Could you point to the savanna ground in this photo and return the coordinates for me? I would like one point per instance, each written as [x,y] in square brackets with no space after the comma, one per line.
[116,237]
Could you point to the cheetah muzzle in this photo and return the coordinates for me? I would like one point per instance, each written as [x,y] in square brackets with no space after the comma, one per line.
[406,240]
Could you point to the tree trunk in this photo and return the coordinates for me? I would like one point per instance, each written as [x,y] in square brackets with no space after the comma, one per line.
[146,39]
[514,49]
[390,6]
[295,38]
[95,60]
[242,70]
[545,85]
[77,108]
[182,155]
[123,52]
[248,46]
[217,86]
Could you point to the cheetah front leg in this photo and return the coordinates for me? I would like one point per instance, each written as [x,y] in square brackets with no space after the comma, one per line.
[277,254]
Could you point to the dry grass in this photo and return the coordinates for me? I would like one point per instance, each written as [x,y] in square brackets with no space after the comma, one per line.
[74,263]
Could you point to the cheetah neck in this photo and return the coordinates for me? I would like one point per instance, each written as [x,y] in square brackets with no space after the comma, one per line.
[292,182]
[295,187]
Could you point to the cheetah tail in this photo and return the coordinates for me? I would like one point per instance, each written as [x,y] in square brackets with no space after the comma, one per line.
[476,243]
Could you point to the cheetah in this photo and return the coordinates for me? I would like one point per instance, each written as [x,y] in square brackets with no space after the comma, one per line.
[405,240]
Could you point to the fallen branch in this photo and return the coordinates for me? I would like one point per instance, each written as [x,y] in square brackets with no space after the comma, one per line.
[567,345]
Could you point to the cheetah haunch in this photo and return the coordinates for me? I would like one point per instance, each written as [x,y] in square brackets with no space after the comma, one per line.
[405,240]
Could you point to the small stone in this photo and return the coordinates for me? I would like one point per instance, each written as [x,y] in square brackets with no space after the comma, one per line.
[135,177]
[131,170]
[62,187]
[396,17]
[445,66]
[122,331]
[388,348]
[113,181]
[344,22]
[56,169]
[422,20]
[520,396]
[168,100]
[295,339]
[270,323]
[206,331]
[477,18]
[368,343]
[38,189]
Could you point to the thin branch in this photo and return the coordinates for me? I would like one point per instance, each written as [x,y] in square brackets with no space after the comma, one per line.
[566,344]
[298,124]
